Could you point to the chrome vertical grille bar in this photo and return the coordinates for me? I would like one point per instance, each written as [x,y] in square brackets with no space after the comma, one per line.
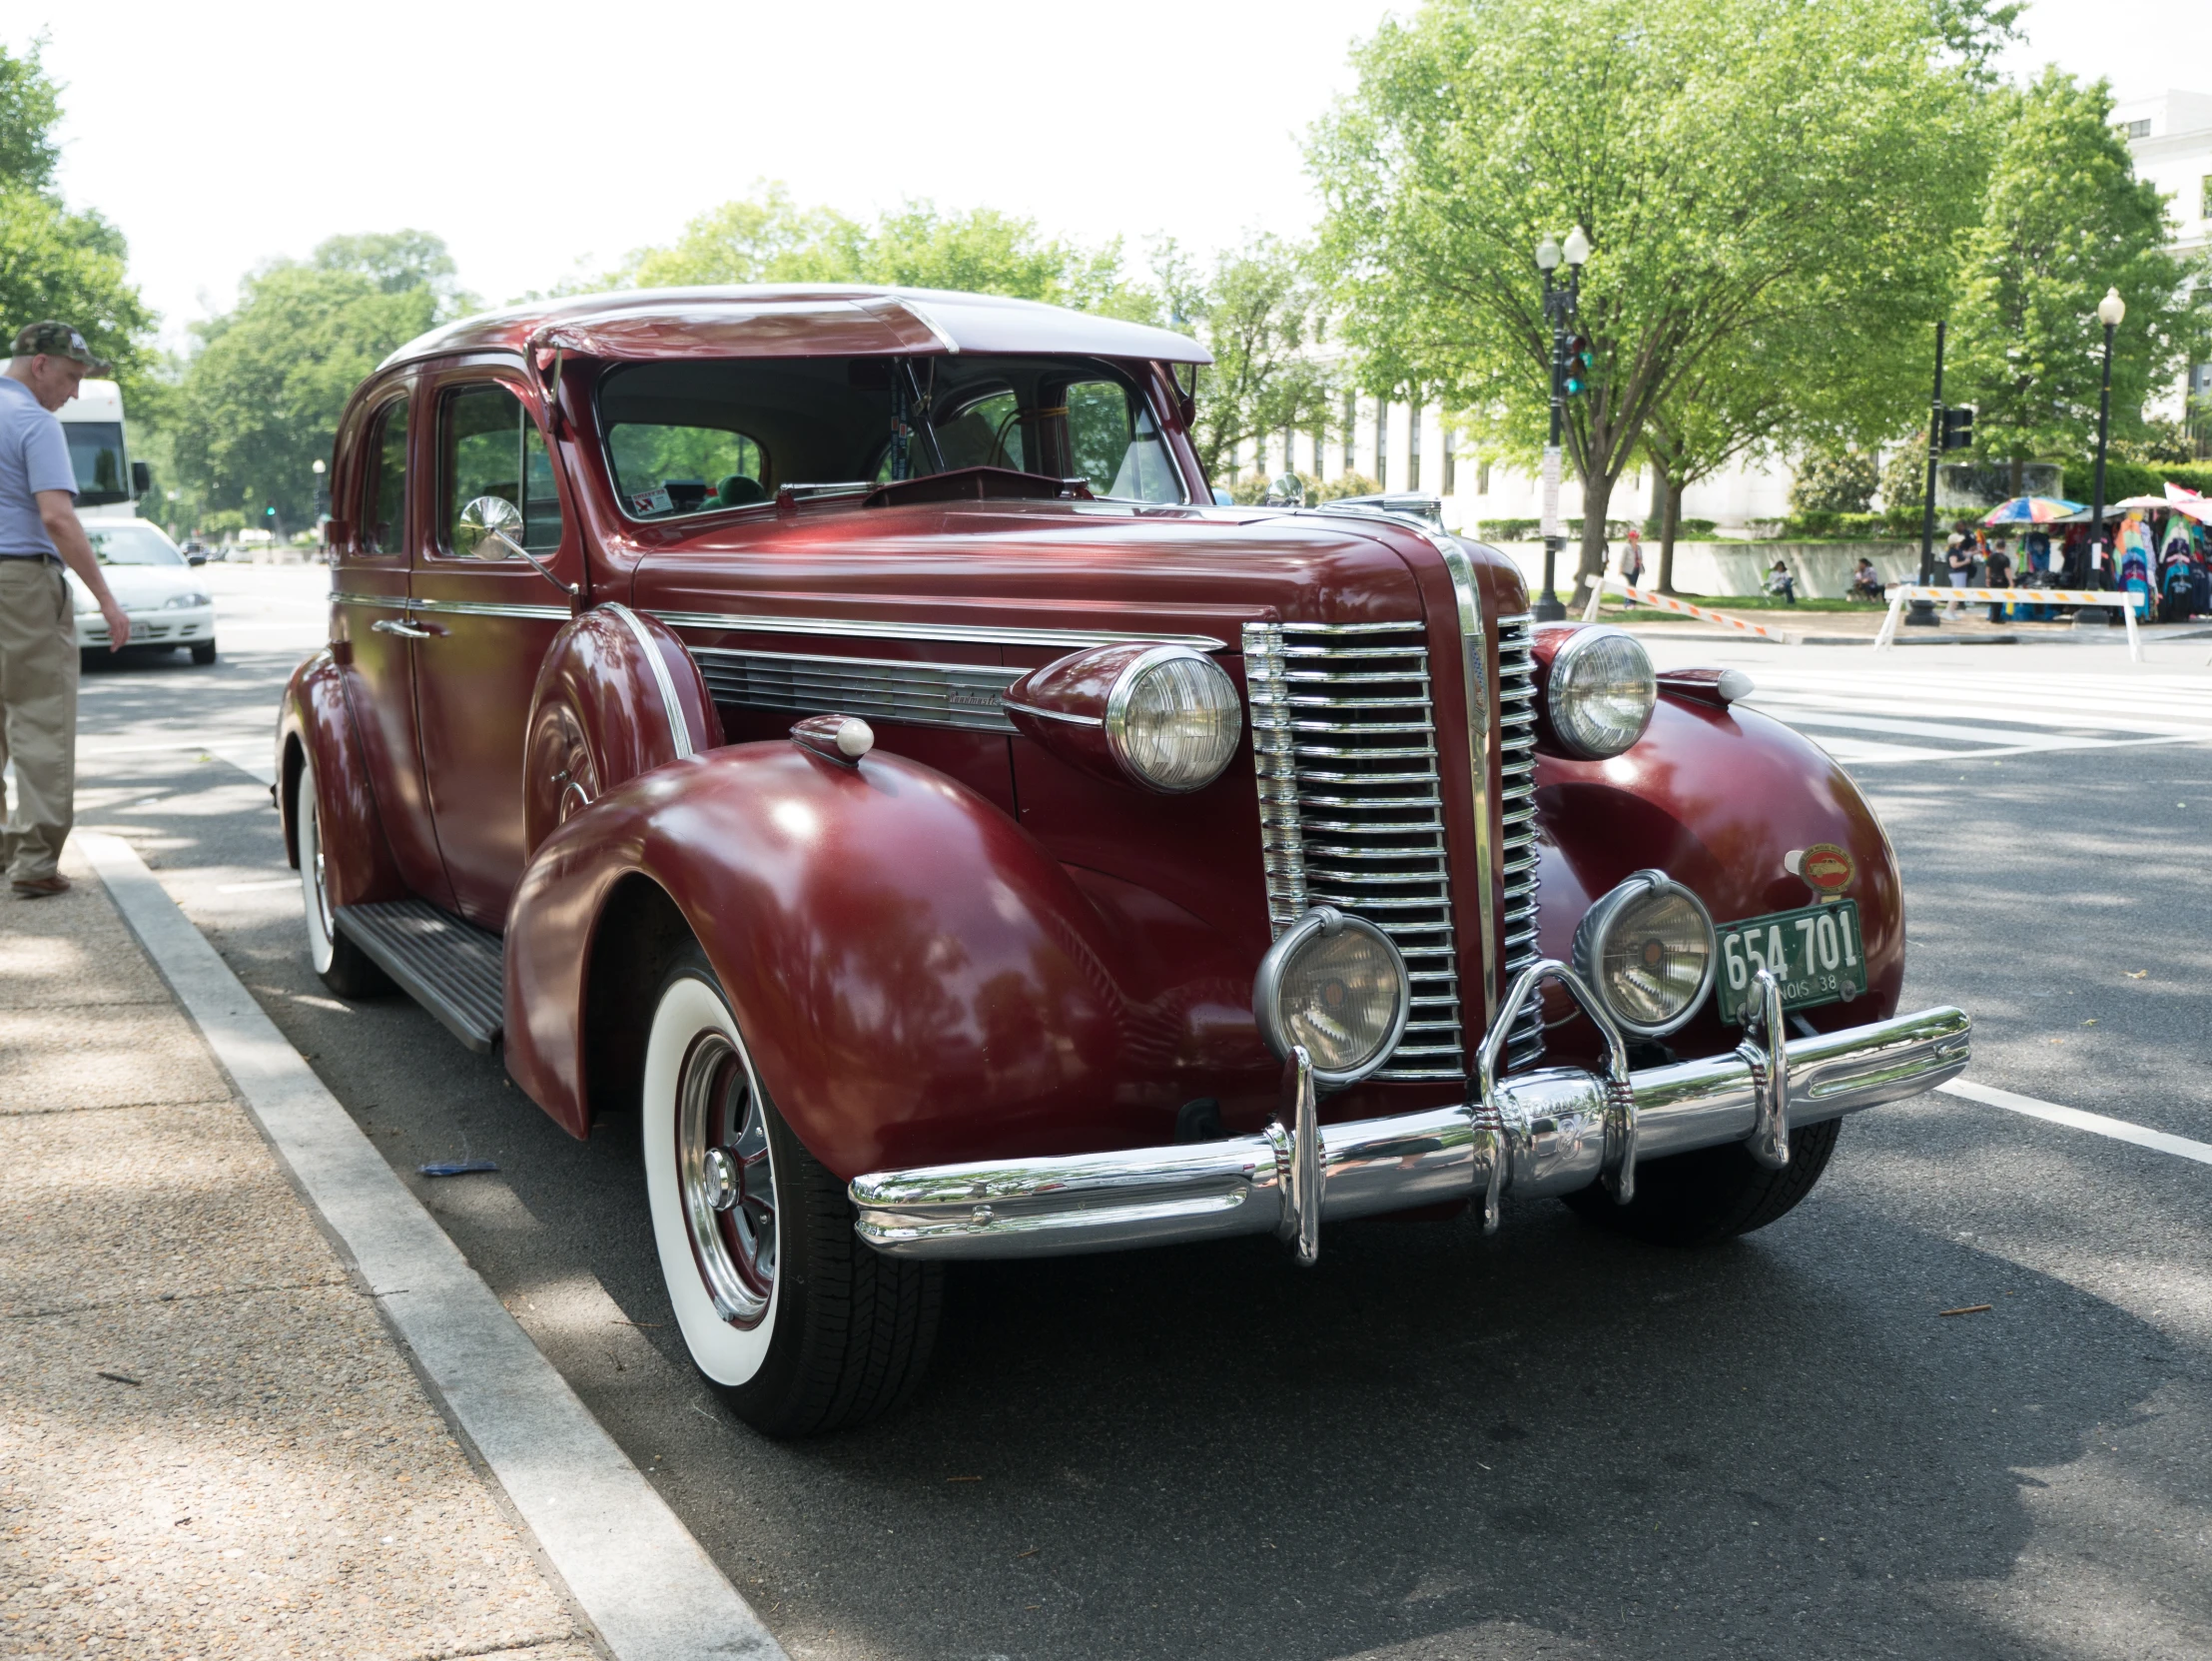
[1344,746]
[1517,816]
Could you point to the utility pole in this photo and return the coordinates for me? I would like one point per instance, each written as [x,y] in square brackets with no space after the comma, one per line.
[1921,613]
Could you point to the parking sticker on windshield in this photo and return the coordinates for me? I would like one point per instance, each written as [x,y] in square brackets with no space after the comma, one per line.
[655,500]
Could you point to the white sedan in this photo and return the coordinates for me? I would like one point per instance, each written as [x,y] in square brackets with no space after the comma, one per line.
[168,605]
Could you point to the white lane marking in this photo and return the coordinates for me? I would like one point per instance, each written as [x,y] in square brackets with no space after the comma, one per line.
[255,887]
[252,756]
[1853,721]
[645,1583]
[2119,1129]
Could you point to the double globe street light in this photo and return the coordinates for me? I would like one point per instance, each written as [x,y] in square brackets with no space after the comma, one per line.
[2111,312]
[1560,304]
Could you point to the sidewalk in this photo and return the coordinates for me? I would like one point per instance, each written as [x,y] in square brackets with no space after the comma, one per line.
[210,1445]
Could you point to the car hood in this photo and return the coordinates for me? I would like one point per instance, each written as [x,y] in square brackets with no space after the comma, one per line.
[138,587]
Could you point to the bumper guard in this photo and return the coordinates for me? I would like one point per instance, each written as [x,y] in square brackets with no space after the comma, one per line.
[1547,1132]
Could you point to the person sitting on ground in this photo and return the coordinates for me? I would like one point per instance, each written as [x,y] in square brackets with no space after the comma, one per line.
[1865,584]
[1779,581]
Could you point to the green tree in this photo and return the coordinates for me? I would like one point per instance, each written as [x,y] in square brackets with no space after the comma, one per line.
[1834,481]
[2063,219]
[54,263]
[260,399]
[769,236]
[1259,310]
[1762,180]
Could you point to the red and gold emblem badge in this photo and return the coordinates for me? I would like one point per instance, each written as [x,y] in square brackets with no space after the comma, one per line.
[1825,868]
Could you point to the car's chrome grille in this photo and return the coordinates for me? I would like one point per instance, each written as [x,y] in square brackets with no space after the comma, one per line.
[878,689]
[1351,812]
[1517,815]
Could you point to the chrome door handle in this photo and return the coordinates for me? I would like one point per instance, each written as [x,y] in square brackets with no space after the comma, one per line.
[394,625]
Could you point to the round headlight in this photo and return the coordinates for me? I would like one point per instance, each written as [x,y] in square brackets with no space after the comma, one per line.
[1173,719]
[1601,692]
[1336,985]
[1646,949]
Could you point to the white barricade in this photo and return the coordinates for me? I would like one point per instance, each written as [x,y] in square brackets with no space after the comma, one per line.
[1668,602]
[1906,592]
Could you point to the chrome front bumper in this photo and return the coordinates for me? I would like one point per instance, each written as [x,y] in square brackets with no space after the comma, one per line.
[1550,1131]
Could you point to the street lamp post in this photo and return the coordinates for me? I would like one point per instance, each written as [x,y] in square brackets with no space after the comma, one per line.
[2111,312]
[1921,613]
[1559,308]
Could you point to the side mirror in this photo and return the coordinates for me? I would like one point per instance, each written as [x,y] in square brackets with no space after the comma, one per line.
[491,528]
[142,478]
[195,559]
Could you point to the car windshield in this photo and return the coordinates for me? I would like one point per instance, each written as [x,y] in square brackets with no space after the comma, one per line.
[131,545]
[700,435]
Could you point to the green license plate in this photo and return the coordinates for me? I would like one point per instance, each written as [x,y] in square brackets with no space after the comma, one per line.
[1816,953]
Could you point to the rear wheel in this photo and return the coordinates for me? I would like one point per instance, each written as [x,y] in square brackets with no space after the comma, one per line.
[1714,1194]
[345,969]
[798,1325]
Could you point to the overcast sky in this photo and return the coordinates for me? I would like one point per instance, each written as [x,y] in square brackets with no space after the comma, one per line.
[542,139]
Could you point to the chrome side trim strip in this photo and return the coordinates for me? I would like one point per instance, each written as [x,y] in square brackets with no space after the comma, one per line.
[865,628]
[469,608]
[490,608]
[963,695]
[1070,717]
[679,725]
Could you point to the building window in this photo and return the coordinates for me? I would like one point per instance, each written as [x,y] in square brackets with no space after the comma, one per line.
[1351,418]
[2138,129]
[1451,464]
[1382,443]
[2204,204]
[1413,450]
[1482,479]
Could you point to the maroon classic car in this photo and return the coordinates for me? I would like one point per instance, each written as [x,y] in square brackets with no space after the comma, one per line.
[839,728]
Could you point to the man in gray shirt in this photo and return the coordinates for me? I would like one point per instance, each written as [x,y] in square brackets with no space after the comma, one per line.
[38,627]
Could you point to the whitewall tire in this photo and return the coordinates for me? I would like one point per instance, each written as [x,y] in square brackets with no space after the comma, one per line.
[343,967]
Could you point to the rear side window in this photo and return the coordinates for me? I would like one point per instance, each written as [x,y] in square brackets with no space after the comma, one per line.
[385,490]
[489,446]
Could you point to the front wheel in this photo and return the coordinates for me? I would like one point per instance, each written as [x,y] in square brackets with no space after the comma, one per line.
[1714,1194]
[203,653]
[345,969]
[798,1325]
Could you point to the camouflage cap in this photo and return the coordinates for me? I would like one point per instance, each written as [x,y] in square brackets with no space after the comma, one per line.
[57,339]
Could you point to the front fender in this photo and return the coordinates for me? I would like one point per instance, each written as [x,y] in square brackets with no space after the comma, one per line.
[315,721]
[1715,797]
[916,979]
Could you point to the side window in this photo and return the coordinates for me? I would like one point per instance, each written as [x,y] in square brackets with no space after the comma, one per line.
[385,490]
[489,446]
[1117,446]
[988,433]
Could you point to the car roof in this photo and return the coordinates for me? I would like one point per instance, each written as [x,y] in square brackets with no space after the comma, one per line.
[831,320]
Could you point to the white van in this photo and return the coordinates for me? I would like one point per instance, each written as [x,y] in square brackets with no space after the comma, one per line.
[109,482]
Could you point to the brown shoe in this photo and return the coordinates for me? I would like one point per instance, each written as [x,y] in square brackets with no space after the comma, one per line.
[38,888]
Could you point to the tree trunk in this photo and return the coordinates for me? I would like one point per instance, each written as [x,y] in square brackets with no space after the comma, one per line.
[1597,496]
[2019,475]
[1670,520]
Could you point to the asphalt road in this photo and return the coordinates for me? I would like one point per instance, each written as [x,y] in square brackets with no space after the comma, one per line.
[1546,1444]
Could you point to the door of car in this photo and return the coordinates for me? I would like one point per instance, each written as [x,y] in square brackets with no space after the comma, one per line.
[380,504]
[487,626]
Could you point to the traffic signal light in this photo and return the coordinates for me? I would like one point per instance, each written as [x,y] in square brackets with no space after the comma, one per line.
[1958,428]
[1578,364]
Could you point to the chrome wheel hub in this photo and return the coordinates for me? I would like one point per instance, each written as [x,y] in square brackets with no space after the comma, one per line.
[727,1177]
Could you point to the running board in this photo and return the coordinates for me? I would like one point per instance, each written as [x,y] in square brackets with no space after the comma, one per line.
[452,969]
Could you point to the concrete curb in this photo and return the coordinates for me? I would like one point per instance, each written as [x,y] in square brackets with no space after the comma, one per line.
[630,1563]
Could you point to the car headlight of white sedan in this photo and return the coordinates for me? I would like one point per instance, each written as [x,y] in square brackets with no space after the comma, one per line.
[186,601]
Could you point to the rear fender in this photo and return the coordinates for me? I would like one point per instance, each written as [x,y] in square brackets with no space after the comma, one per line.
[1715,796]
[315,722]
[601,714]
[916,979]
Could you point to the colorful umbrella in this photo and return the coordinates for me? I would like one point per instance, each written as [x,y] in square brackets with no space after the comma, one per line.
[2159,502]
[2030,511]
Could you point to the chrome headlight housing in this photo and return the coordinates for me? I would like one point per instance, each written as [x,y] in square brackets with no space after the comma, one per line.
[191,599]
[1647,948]
[1173,719]
[1601,692]
[1339,986]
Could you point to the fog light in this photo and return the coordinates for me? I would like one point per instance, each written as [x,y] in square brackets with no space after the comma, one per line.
[1647,950]
[1336,985]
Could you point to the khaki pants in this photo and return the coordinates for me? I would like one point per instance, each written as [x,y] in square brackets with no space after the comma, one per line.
[38,714]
